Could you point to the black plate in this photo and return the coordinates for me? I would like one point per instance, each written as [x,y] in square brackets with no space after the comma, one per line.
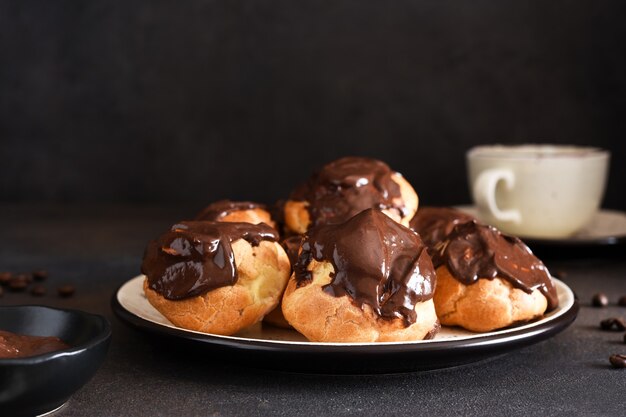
[302,356]
[38,384]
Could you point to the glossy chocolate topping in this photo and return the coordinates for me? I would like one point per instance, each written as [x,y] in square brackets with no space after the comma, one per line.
[14,345]
[292,245]
[377,262]
[195,257]
[215,211]
[472,251]
[435,223]
[347,186]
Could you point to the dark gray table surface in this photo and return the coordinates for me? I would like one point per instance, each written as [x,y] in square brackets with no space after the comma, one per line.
[98,247]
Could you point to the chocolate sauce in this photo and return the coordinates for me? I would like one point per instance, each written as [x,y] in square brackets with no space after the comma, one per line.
[216,211]
[14,345]
[292,247]
[376,261]
[472,251]
[433,332]
[195,257]
[435,223]
[347,186]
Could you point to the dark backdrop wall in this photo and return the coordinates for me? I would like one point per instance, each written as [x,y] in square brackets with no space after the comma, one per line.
[188,102]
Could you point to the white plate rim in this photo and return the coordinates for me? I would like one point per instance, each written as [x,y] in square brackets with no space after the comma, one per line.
[128,293]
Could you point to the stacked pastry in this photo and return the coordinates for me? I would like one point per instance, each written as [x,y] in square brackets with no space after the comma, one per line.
[346,260]
[344,188]
[368,279]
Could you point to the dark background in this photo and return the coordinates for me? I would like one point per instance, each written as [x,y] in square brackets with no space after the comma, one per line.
[188,102]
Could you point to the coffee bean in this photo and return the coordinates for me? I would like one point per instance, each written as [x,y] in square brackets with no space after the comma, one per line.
[25,277]
[66,290]
[618,361]
[5,277]
[613,323]
[18,283]
[1,291]
[600,300]
[40,275]
[38,290]
[622,301]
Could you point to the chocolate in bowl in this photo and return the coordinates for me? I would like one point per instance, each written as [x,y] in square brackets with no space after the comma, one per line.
[42,383]
[13,345]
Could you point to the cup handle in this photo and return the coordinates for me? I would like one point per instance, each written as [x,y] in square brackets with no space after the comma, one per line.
[484,193]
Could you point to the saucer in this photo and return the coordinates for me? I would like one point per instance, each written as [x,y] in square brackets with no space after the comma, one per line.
[607,227]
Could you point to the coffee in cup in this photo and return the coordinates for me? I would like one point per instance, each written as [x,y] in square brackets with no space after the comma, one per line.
[537,191]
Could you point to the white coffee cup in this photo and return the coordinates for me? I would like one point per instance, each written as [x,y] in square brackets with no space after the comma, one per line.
[538,191]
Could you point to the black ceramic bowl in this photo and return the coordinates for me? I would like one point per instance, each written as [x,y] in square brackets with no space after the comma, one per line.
[39,384]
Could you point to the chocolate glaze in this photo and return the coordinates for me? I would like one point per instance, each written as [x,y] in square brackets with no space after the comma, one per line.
[215,211]
[14,345]
[435,223]
[472,251]
[291,245]
[377,262]
[195,257]
[347,186]
[433,332]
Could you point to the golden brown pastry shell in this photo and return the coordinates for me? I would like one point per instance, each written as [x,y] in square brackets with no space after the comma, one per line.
[298,220]
[263,272]
[254,216]
[486,305]
[321,317]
